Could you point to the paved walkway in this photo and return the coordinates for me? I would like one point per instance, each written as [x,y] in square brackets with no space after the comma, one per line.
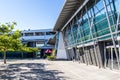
[35,69]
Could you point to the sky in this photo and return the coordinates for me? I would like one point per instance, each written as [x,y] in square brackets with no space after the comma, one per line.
[30,14]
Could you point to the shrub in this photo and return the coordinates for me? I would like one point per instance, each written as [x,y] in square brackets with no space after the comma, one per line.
[51,57]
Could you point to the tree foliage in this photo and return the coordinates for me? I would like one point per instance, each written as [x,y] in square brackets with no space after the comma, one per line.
[29,49]
[9,40]
[6,28]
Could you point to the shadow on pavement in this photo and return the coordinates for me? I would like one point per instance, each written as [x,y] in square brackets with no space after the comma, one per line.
[29,71]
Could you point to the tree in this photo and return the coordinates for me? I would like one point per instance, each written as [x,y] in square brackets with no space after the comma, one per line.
[24,48]
[9,40]
[5,39]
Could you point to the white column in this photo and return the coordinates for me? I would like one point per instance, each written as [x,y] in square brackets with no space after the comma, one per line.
[61,52]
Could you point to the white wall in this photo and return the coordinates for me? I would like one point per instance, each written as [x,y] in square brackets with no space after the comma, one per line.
[61,52]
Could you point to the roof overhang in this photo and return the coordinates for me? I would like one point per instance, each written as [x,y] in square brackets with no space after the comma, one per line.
[67,11]
[52,41]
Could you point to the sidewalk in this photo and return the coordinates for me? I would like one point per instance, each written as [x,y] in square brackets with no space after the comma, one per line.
[75,71]
[36,69]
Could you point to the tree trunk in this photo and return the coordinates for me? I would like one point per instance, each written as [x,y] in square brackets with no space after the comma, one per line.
[5,56]
[35,54]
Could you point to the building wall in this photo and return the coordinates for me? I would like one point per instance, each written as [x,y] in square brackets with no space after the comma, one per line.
[61,52]
[97,23]
[37,38]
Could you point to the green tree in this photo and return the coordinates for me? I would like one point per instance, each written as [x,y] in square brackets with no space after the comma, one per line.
[9,40]
[5,38]
[24,48]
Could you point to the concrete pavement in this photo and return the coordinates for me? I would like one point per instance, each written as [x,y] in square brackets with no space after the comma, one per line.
[36,69]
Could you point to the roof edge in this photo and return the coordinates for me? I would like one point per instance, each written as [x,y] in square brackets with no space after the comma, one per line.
[60,13]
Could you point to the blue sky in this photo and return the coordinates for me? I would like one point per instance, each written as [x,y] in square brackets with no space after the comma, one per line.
[30,14]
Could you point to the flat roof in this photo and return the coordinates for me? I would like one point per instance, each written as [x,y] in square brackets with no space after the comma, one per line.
[39,30]
[69,8]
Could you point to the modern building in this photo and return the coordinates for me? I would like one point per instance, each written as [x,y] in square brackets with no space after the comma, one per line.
[88,31]
[37,38]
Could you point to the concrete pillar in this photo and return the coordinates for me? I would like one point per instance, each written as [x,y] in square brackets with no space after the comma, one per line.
[61,52]
[99,56]
[93,56]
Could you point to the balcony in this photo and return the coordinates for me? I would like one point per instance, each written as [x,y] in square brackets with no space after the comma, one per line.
[36,38]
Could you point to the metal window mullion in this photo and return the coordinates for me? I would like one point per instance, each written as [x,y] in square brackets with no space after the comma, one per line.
[72,35]
[77,38]
[85,52]
[87,56]
[112,13]
[111,58]
[96,40]
[113,40]
[90,25]
[83,46]
[94,24]
[77,30]
[98,10]
[83,43]
[102,36]
[72,30]
[105,55]
[67,37]
[117,24]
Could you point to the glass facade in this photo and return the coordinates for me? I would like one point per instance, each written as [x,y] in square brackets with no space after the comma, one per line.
[96,25]
[93,23]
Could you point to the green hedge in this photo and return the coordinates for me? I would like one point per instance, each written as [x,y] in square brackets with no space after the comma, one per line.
[13,55]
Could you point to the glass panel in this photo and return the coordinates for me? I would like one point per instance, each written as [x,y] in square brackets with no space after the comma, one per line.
[75,27]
